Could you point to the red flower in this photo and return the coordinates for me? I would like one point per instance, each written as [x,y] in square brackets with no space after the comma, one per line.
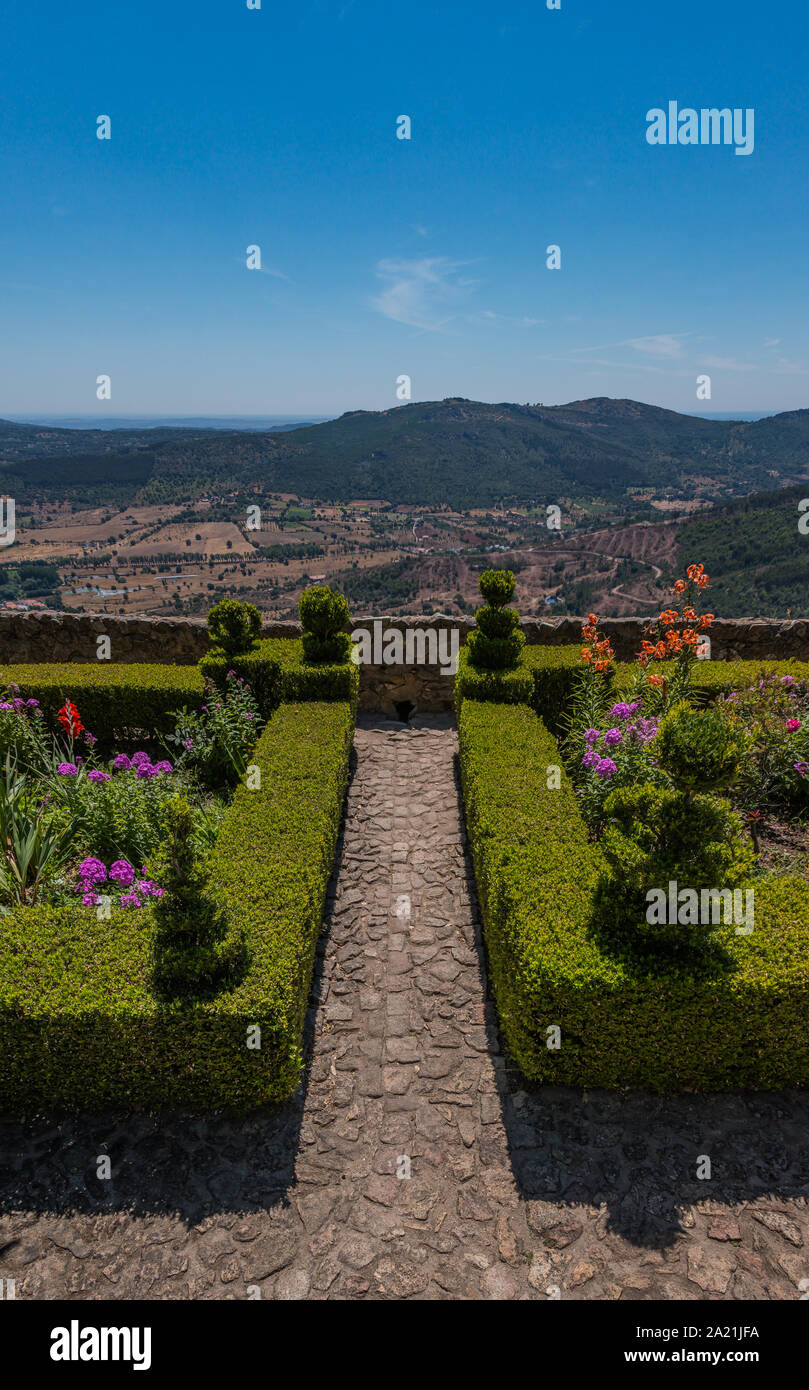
[70,719]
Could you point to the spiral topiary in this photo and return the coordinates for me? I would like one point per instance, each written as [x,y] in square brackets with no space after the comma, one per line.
[496,644]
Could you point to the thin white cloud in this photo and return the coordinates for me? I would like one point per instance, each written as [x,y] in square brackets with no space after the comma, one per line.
[655,345]
[523,320]
[772,342]
[784,367]
[729,364]
[659,344]
[426,293]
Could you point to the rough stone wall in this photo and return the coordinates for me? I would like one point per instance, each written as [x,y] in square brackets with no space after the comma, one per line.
[48,636]
[40,636]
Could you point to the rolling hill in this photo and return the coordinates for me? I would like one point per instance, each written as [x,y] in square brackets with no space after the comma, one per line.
[466,453]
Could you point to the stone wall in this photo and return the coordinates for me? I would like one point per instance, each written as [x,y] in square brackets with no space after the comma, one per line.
[40,636]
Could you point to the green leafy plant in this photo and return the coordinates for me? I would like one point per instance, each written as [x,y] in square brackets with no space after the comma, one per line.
[699,749]
[496,644]
[655,835]
[32,844]
[234,626]
[215,742]
[324,613]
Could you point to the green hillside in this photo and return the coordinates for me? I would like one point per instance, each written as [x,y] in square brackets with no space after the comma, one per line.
[465,453]
[757,558]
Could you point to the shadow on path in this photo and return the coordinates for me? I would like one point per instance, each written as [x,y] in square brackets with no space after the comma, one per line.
[636,1153]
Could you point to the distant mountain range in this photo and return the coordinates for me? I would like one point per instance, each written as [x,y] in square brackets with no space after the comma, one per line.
[462,452]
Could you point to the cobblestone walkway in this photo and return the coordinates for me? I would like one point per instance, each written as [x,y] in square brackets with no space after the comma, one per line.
[511,1193]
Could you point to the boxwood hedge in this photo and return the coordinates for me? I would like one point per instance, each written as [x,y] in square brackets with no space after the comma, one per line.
[552,673]
[276,670]
[80,1024]
[732,1018]
[112,698]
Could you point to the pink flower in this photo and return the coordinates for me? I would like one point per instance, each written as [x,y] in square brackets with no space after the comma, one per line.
[97,776]
[793,724]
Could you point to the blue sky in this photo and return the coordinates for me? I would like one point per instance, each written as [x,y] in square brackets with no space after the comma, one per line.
[384,257]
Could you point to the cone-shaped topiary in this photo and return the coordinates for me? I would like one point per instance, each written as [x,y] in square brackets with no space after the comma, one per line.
[194,946]
[496,644]
[324,613]
[234,626]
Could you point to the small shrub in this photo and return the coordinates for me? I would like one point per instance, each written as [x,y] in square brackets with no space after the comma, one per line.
[697,748]
[655,835]
[324,613]
[497,587]
[332,650]
[234,626]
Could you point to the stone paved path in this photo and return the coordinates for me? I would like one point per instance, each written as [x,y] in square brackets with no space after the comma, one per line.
[512,1192]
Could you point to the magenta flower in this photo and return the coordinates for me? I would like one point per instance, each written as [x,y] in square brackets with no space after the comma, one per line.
[139,758]
[592,736]
[613,737]
[121,763]
[96,776]
[92,871]
[802,769]
[67,769]
[793,724]
[606,768]
[122,871]
[130,900]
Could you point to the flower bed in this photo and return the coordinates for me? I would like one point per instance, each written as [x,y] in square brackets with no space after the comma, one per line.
[82,1021]
[732,1015]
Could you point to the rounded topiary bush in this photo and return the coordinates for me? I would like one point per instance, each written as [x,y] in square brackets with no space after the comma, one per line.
[697,748]
[496,644]
[324,613]
[655,836]
[497,623]
[497,587]
[234,626]
[495,653]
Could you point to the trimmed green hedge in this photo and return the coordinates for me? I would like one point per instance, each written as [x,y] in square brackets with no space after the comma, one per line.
[277,672]
[259,667]
[514,687]
[553,673]
[80,1025]
[113,699]
[318,681]
[735,1018]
